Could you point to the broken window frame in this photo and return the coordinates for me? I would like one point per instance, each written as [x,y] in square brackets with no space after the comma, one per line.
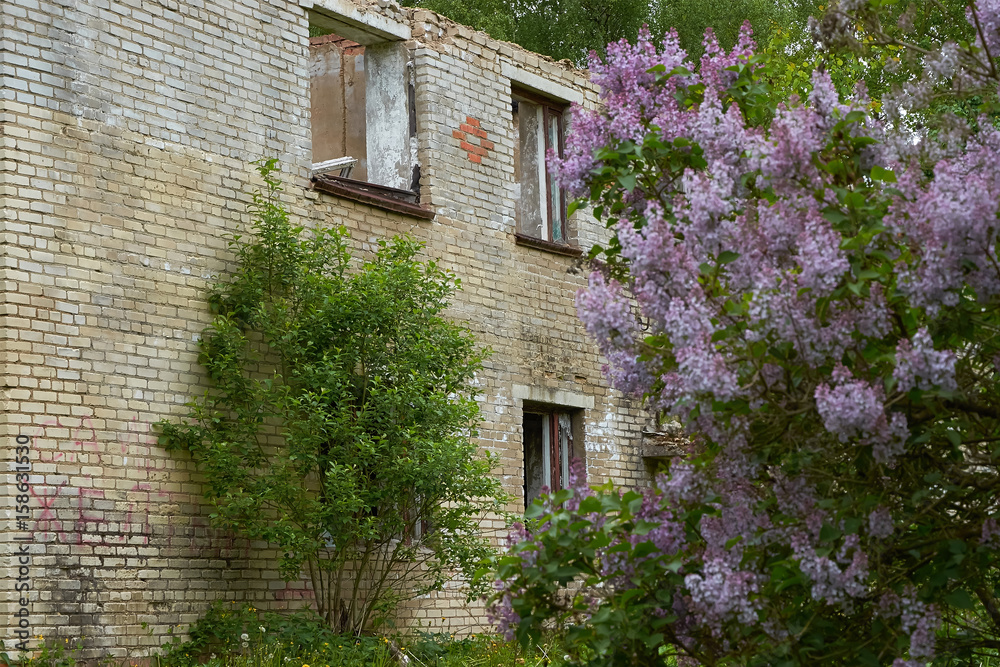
[554,226]
[388,178]
[351,176]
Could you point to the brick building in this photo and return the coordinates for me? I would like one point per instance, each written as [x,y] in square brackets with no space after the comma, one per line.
[127,128]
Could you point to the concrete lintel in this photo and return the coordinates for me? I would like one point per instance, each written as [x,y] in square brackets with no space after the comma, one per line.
[553,396]
[538,84]
[345,19]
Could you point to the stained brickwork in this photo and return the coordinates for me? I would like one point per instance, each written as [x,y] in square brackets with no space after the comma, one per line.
[127,129]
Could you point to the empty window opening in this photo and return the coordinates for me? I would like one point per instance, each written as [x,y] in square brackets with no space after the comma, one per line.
[363,110]
[541,203]
[337,75]
[549,446]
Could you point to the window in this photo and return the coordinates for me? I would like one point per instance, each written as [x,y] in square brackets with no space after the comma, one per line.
[337,69]
[362,102]
[548,449]
[541,203]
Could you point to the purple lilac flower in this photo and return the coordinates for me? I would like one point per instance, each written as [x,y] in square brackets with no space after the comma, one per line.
[988,15]
[950,224]
[943,63]
[990,537]
[721,593]
[577,483]
[834,580]
[502,615]
[589,130]
[919,365]
[851,408]
[921,620]
[880,524]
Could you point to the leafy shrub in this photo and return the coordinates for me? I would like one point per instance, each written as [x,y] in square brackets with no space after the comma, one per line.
[370,391]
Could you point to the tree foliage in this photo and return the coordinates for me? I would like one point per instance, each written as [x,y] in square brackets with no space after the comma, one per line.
[767,18]
[338,427]
[573,28]
[813,290]
[895,49]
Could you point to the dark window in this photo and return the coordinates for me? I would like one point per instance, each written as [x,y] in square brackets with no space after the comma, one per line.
[548,448]
[541,203]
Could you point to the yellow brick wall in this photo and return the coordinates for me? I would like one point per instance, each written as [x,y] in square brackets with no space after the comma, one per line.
[127,128]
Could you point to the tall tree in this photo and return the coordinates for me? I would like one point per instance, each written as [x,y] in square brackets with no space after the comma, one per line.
[690,18]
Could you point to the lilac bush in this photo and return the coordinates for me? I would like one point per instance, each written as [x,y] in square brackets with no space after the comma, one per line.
[813,291]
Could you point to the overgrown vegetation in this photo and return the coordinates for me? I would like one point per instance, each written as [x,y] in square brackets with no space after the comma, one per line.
[812,287]
[232,635]
[238,635]
[340,423]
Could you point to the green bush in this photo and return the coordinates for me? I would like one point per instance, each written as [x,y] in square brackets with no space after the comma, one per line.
[341,416]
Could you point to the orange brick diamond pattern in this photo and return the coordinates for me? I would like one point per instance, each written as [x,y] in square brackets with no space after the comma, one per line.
[468,132]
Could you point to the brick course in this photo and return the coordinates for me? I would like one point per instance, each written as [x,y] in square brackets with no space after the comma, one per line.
[127,129]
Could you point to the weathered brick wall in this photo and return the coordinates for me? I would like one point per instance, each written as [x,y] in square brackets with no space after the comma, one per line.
[127,129]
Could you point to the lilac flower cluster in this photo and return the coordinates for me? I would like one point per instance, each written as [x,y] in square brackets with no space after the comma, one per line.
[921,621]
[880,524]
[500,613]
[987,14]
[990,537]
[789,253]
[918,619]
[854,409]
[919,365]
[834,580]
[720,594]
[609,318]
[950,225]
[779,284]
[851,408]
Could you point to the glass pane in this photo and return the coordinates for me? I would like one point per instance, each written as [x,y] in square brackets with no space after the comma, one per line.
[555,195]
[529,184]
[534,465]
[547,452]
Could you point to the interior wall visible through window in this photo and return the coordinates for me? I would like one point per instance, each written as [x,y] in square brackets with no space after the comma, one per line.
[337,74]
[363,110]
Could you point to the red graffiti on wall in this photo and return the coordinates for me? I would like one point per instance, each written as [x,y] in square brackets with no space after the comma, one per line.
[82,509]
[79,521]
[45,497]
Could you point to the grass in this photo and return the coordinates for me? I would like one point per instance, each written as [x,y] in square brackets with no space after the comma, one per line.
[223,638]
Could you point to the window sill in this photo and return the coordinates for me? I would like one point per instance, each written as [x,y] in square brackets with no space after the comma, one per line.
[379,196]
[548,246]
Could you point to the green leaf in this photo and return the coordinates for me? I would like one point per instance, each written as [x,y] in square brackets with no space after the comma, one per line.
[728,256]
[829,533]
[883,175]
[589,505]
[627,181]
[959,598]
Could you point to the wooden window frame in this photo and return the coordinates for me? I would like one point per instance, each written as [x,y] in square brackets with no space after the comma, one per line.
[554,201]
[550,112]
[559,458]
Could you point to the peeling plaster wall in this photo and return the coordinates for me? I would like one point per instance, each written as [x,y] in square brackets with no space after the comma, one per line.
[388,115]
